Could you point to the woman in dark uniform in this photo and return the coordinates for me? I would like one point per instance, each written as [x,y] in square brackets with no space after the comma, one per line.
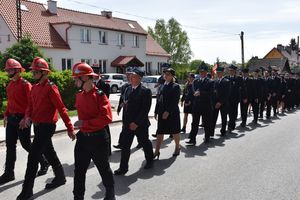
[186,102]
[167,111]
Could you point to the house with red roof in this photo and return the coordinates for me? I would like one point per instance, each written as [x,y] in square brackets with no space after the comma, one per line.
[67,37]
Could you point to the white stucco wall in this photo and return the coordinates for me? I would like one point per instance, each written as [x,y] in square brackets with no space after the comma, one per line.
[61,29]
[5,36]
[155,60]
[96,51]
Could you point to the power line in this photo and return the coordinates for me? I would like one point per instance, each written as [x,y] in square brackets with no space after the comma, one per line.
[151,19]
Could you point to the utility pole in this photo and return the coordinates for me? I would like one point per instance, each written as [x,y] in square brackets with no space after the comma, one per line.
[19,20]
[242,45]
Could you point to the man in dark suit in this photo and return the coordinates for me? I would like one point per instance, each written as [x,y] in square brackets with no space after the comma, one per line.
[268,92]
[101,85]
[275,85]
[233,96]
[202,105]
[256,95]
[246,95]
[136,122]
[220,99]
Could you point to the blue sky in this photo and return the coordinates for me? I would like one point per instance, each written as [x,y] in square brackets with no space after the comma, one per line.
[213,26]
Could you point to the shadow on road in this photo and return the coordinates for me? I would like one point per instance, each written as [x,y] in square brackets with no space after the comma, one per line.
[122,183]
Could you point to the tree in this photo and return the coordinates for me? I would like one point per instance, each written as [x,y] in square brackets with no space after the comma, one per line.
[173,39]
[293,44]
[24,51]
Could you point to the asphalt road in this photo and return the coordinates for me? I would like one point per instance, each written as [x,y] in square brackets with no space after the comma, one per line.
[257,163]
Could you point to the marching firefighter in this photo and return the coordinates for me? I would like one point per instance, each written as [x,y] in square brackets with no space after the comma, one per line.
[43,106]
[94,114]
[18,91]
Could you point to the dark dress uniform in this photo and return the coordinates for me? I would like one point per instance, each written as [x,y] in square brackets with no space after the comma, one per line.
[220,95]
[104,87]
[288,98]
[124,93]
[246,89]
[233,100]
[202,106]
[275,85]
[255,98]
[263,96]
[94,111]
[167,101]
[268,91]
[136,110]
[189,107]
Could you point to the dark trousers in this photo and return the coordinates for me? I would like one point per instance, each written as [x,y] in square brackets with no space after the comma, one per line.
[274,100]
[89,148]
[262,105]
[255,108]
[215,115]
[232,113]
[143,138]
[244,111]
[206,113]
[42,144]
[109,139]
[13,133]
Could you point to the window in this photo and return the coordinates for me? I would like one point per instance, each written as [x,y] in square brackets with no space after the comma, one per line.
[135,41]
[131,25]
[102,65]
[66,63]
[159,64]
[85,35]
[148,67]
[86,60]
[102,37]
[120,39]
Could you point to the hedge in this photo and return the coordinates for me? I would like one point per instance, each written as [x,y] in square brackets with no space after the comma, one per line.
[63,80]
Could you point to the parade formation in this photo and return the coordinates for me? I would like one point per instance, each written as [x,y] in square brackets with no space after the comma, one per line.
[264,92]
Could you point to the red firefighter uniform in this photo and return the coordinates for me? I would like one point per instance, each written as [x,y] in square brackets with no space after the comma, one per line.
[47,103]
[18,93]
[93,119]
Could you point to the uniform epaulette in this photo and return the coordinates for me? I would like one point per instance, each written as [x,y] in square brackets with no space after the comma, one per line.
[100,92]
[25,81]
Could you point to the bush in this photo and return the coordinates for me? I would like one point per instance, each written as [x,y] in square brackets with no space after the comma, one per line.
[63,80]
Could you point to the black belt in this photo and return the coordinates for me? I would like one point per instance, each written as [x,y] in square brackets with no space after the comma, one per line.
[91,134]
[17,115]
[43,124]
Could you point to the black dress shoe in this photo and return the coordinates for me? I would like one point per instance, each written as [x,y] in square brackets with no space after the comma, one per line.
[191,142]
[117,146]
[148,165]
[206,140]
[120,171]
[25,195]
[56,182]
[43,170]
[243,125]
[176,152]
[183,130]
[139,146]
[7,177]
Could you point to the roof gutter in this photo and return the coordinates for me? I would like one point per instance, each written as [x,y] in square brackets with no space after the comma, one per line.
[67,29]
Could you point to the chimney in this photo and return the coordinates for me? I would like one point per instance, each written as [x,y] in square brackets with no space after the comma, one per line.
[280,47]
[52,7]
[107,14]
